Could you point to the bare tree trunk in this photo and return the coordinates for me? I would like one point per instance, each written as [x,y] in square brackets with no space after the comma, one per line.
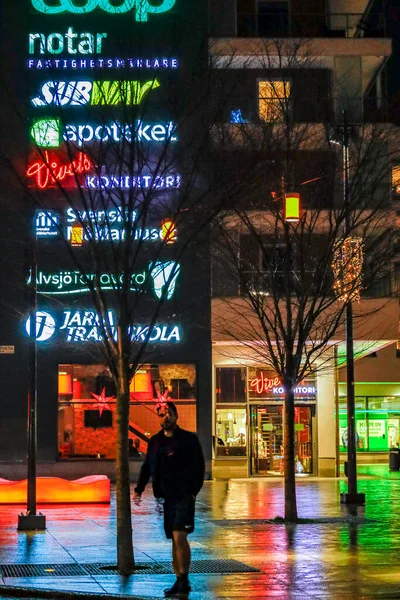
[125,557]
[289,456]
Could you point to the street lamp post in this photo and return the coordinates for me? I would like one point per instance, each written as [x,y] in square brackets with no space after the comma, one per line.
[351,496]
[31,520]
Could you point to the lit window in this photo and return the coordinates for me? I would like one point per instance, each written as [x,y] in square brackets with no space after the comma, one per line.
[396,179]
[273,99]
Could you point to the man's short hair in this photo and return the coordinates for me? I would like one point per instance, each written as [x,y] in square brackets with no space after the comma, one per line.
[168,404]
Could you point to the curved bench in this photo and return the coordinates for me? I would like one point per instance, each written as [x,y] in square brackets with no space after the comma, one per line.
[55,490]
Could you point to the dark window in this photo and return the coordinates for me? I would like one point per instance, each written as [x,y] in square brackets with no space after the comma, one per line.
[94,419]
[231,385]
[273,19]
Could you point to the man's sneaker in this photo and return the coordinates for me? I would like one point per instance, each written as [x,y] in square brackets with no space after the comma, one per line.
[180,588]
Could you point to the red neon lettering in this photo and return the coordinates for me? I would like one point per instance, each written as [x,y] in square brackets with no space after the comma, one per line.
[263,384]
[49,170]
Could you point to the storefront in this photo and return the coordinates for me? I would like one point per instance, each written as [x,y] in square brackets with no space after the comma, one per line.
[377,419]
[249,422]
[87,407]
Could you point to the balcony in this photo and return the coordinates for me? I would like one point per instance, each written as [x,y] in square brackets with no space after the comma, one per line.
[306,25]
[274,20]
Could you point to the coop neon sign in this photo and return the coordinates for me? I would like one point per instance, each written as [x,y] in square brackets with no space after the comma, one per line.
[87,326]
[95,93]
[141,8]
[47,172]
[50,133]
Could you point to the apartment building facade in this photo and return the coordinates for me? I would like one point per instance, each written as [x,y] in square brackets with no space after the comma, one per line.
[300,68]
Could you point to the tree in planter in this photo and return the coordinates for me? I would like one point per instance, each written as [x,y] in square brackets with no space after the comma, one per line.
[274,276]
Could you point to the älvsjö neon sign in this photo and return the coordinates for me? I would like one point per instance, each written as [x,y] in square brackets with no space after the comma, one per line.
[94,93]
[141,8]
[163,276]
[105,226]
[263,385]
[87,326]
[48,171]
[50,133]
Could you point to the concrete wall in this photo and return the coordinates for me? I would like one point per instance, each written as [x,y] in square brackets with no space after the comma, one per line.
[384,367]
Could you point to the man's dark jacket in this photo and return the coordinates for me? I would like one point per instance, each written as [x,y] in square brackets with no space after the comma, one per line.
[175,465]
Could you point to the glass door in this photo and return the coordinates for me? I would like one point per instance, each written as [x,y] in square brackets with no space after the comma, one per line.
[266,424]
[303,439]
[266,445]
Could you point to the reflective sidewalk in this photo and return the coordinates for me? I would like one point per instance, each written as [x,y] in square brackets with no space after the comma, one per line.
[332,557]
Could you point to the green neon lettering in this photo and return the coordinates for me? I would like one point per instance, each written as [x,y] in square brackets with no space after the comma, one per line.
[142,8]
[130,93]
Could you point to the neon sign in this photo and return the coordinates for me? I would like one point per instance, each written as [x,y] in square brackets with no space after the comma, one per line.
[103,225]
[127,182]
[141,8]
[56,43]
[50,170]
[103,63]
[87,326]
[95,93]
[264,384]
[273,385]
[49,133]
[163,276]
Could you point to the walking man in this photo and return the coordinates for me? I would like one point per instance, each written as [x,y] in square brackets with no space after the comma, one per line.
[175,463]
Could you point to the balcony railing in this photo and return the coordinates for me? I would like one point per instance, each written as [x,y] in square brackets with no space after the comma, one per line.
[261,283]
[307,25]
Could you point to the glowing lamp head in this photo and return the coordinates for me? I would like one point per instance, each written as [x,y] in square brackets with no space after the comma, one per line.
[168,231]
[76,235]
[292,207]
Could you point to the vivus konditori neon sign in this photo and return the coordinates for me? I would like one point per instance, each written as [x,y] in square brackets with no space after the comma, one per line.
[141,8]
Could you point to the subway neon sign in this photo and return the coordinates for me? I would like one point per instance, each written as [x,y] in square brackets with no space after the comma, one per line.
[94,93]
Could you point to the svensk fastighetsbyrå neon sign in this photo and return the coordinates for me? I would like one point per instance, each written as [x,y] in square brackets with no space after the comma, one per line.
[141,8]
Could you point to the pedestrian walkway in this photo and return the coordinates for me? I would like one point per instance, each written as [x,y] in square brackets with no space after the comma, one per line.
[331,555]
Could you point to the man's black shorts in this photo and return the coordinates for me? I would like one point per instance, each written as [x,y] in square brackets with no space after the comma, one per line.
[179,515]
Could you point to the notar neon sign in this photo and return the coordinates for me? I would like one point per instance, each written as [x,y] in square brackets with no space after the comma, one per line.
[54,43]
[141,8]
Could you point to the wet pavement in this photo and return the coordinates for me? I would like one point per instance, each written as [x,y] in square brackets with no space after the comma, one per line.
[332,556]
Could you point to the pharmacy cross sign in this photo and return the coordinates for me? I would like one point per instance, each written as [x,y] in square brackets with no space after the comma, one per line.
[141,8]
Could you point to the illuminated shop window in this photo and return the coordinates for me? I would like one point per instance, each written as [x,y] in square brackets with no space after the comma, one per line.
[230,429]
[273,100]
[377,423]
[87,407]
[396,179]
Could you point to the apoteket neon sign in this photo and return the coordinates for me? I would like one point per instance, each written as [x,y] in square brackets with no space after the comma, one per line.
[141,8]
[48,171]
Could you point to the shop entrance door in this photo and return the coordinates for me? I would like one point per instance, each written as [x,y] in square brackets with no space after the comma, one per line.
[266,429]
[266,424]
